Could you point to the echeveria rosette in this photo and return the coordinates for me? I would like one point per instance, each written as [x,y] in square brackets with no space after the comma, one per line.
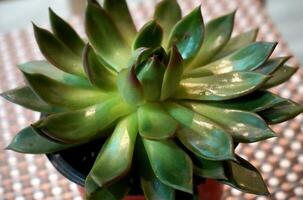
[179,95]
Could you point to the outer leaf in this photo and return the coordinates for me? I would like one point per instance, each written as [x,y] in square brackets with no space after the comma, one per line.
[220,87]
[118,10]
[245,177]
[179,175]
[244,126]
[281,112]
[85,124]
[64,32]
[98,74]
[28,140]
[149,36]
[245,59]
[152,187]
[167,14]
[187,34]
[155,123]
[172,75]
[283,74]
[240,41]
[200,135]
[272,65]
[57,52]
[116,155]
[25,97]
[254,102]
[209,169]
[105,37]
[130,87]
[217,34]
[151,77]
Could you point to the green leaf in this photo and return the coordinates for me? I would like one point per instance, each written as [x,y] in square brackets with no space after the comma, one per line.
[220,87]
[167,14]
[281,112]
[90,186]
[240,41]
[105,37]
[83,125]
[155,123]
[116,155]
[200,135]
[57,53]
[188,34]
[272,65]
[254,102]
[64,32]
[152,187]
[151,77]
[25,97]
[28,140]
[177,175]
[118,10]
[243,126]
[209,169]
[149,36]
[245,59]
[130,87]
[217,34]
[99,75]
[245,177]
[172,75]
[139,55]
[280,76]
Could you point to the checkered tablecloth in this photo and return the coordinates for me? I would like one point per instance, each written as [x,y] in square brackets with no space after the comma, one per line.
[27,177]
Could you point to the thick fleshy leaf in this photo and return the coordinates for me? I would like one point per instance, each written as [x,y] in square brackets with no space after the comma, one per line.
[200,135]
[28,140]
[209,169]
[220,87]
[98,74]
[57,53]
[151,77]
[130,87]
[172,75]
[240,41]
[118,10]
[217,34]
[150,36]
[115,157]
[105,37]
[64,32]
[155,123]
[245,127]
[245,59]
[245,177]
[272,65]
[167,14]
[254,102]
[283,74]
[188,34]
[139,55]
[83,125]
[178,175]
[281,112]
[25,97]
[152,187]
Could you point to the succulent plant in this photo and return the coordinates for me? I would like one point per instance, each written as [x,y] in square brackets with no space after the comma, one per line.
[178,95]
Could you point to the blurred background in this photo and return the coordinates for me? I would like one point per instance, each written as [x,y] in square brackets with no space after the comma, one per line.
[287,15]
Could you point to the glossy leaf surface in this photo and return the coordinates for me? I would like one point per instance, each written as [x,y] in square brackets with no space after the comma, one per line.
[83,125]
[116,155]
[179,175]
[272,65]
[209,169]
[220,87]
[187,34]
[155,123]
